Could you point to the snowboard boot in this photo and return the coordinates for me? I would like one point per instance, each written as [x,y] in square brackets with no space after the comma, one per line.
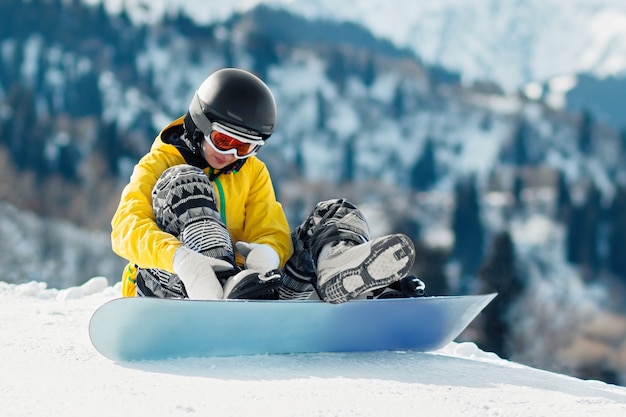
[346,270]
[250,285]
[295,285]
[407,287]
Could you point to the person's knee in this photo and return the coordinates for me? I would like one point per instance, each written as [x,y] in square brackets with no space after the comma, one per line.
[180,176]
[182,194]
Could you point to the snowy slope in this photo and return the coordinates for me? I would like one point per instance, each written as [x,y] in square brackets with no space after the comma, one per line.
[49,368]
[509,42]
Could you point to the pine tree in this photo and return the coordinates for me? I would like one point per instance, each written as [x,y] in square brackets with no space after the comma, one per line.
[518,188]
[262,48]
[575,235]
[68,161]
[369,72]
[84,96]
[337,69]
[617,234]
[108,144]
[424,171]
[397,107]
[583,232]
[563,199]
[26,146]
[593,216]
[469,234]
[429,267]
[499,273]
[299,161]
[349,162]
[520,144]
[322,111]
[585,132]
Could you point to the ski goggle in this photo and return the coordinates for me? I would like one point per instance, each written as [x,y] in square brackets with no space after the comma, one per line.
[228,141]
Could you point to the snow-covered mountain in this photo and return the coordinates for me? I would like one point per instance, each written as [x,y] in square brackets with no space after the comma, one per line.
[383,111]
[507,42]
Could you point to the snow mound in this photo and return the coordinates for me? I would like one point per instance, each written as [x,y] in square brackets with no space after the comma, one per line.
[40,290]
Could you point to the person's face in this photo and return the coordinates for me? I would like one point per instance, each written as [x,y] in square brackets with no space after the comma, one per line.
[222,147]
[216,159]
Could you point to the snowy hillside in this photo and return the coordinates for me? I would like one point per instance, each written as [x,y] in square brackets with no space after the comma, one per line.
[509,42]
[363,125]
[49,368]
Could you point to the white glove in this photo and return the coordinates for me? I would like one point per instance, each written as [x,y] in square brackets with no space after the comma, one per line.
[197,272]
[260,258]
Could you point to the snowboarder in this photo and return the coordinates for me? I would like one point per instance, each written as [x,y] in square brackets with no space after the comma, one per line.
[199,218]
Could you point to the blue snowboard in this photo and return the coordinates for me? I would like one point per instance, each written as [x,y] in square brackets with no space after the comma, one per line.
[140,328]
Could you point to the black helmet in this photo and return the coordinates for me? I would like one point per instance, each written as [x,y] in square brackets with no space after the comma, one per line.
[236,98]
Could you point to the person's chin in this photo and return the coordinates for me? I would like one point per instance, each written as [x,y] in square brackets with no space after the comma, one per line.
[219,163]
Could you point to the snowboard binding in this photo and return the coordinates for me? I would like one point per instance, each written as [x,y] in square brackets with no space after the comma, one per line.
[407,287]
[250,285]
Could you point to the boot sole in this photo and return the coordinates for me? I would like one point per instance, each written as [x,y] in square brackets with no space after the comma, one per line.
[390,258]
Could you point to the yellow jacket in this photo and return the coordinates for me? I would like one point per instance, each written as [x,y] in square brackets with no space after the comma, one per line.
[245,198]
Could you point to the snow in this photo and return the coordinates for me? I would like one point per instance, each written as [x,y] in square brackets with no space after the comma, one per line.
[49,367]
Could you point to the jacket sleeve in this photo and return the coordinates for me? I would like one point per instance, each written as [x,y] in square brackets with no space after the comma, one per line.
[135,235]
[266,222]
